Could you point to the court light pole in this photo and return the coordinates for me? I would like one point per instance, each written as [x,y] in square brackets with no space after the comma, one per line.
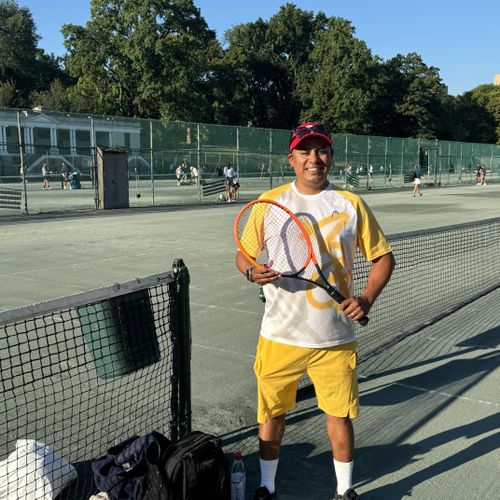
[94,165]
[21,158]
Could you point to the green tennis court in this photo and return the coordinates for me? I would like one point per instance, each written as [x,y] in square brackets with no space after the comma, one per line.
[429,423]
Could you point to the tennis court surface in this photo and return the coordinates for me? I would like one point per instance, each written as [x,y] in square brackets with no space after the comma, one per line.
[430,406]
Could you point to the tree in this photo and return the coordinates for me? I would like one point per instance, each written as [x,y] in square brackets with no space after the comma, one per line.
[265,60]
[55,98]
[473,115]
[245,73]
[488,97]
[410,95]
[339,76]
[24,68]
[8,95]
[142,58]
[18,46]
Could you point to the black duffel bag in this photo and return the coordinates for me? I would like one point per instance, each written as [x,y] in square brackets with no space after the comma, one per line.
[191,468]
[152,467]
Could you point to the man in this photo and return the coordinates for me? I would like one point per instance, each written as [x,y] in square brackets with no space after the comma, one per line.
[303,330]
[230,175]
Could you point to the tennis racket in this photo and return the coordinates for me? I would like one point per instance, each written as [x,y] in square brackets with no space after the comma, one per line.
[270,235]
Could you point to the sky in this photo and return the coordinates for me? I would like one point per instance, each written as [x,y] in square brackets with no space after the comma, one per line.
[459,37]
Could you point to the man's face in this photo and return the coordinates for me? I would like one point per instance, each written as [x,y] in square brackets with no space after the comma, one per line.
[311,162]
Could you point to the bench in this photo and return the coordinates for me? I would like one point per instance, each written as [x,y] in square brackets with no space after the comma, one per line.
[353,180]
[212,187]
[10,198]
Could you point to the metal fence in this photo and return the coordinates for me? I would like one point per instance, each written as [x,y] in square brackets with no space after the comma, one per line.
[155,148]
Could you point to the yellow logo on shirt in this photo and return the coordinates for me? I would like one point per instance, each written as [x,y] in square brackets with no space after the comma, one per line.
[331,258]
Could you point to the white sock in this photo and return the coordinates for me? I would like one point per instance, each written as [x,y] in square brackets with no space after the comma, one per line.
[268,473]
[343,471]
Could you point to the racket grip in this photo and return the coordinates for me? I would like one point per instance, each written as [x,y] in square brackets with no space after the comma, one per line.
[364,320]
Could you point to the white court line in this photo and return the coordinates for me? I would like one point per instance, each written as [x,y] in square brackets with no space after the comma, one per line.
[226,351]
[446,394]
[211,306]
[421,389]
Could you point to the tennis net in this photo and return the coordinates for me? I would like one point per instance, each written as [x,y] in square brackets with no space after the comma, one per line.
[82,373]
[437,272]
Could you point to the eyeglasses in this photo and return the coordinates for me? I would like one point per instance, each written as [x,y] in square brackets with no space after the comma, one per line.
[312,129]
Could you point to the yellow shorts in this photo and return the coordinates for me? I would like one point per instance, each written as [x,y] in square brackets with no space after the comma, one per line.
[278,368]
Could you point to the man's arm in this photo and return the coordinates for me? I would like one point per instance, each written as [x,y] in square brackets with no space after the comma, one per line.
[380,273]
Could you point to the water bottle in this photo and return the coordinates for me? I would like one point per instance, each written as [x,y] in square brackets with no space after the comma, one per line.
[238,478]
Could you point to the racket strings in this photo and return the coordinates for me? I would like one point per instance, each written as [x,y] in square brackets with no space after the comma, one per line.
[310,272]
[272,238]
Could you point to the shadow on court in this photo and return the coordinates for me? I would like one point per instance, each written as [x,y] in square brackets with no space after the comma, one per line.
[426,429]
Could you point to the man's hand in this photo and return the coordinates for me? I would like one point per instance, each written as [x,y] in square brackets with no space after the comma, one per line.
[356,307]
[264,276]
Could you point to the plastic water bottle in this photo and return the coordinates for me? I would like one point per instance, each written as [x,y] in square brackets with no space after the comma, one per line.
[238,478]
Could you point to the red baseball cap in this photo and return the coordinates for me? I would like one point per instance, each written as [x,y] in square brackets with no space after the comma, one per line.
[309,129]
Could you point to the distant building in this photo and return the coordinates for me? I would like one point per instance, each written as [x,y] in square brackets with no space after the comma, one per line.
[58,137]
[496,79]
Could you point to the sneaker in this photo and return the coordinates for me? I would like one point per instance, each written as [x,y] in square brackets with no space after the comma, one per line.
[263,494]
[350,494]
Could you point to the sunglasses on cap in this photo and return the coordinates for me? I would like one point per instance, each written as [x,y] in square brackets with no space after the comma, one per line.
[309,129]
[314,129]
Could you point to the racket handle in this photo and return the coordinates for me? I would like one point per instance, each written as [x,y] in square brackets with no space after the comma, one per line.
[338,297]
[364,320]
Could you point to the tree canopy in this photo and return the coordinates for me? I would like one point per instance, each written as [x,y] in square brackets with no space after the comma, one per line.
[160,59]
[24,68]
[142,58]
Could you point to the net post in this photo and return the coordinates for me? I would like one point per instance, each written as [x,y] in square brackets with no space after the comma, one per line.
[183,348]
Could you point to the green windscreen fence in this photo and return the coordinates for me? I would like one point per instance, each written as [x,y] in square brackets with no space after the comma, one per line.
[29,140]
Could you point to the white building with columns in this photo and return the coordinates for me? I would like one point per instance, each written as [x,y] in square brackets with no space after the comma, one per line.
[58,137]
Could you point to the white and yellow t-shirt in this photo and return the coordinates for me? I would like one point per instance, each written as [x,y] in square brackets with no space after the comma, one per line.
[299,313]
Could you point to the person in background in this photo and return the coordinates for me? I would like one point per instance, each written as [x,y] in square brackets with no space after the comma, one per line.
[46,176]
[229,174]
[480,175]
[417,182]
[64,176]
[193,171]
[180,174]
[236,185]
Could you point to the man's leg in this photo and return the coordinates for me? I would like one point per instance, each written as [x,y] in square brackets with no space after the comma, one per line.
[270,436]
[341,436]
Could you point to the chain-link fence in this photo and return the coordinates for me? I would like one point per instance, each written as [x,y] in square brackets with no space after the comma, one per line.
[42,151]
